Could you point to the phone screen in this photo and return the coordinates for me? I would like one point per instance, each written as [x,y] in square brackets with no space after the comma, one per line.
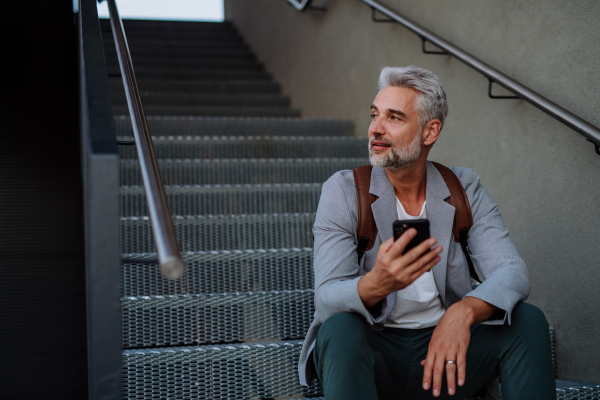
[422,227]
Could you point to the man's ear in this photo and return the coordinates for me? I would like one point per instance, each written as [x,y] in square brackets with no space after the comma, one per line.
[431,132]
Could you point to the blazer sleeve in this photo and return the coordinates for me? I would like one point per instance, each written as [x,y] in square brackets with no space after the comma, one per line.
[335,257]
[505,276]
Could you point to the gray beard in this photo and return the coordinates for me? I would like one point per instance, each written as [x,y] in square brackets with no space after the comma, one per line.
[399,158]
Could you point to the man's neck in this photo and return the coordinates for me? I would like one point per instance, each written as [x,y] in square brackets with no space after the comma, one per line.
[409,185]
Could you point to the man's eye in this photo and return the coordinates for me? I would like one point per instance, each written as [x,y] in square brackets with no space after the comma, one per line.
[394,117]
[373,116]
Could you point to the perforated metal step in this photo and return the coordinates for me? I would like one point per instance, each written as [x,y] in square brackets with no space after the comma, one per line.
[591,392]
[240,111]
[200,51]
[238,126]
[195,73]
[200,55]
[189,62]
[224,111]
[235,371]
[227,199]
[199,86]
[174,147]
[206,40]
[222,271]
[137,34]
[160,25]
[242,171]
[223,232]
[233,100]
[196,319]
[194,50]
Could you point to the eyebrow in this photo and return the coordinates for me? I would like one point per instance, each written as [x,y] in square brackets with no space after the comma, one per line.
[391,111]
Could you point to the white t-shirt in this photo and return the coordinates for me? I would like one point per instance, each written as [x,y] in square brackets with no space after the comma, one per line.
[418,305]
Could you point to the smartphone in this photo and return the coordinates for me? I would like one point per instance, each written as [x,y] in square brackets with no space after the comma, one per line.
[421,225]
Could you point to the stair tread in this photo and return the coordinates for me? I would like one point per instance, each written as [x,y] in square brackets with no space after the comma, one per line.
[245,370]
[235,171]
[238,126]
[200,85]
[201,110]
[227,199]
[210,147]
[223,232]
[188,319]
[220,271]
[159,99]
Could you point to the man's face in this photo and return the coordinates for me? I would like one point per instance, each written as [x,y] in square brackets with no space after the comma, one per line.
[395,140]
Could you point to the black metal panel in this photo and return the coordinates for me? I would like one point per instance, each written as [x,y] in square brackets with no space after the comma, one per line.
[42,275]
[101,205]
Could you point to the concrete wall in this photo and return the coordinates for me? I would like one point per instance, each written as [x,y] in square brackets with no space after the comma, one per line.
[544,176]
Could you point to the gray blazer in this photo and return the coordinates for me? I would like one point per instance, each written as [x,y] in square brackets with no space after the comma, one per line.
[337,270]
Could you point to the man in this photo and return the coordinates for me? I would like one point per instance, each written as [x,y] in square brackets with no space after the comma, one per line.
[394,326]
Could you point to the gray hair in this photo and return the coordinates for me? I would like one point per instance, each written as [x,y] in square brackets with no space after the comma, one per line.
[431,102]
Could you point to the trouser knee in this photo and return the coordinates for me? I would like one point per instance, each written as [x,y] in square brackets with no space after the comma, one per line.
[528,319]
[343,331]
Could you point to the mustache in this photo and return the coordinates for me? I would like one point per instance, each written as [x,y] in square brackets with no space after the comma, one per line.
[381,139]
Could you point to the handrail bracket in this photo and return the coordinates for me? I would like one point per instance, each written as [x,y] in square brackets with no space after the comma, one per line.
[424,48]
[375,19]
[596,146]
[492,96]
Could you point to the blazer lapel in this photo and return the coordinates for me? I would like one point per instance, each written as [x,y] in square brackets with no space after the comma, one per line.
[384,208]
[441,217]
[384,213]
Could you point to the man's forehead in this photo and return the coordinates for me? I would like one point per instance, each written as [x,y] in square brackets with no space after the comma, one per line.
[395,98]
[395,94]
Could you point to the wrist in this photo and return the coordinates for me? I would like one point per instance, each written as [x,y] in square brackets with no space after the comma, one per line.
[369,291]
[465,310]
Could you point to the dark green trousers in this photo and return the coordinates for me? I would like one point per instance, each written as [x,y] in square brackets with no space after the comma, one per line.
[354,361]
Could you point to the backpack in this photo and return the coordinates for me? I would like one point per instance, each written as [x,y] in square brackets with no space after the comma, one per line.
[366,230]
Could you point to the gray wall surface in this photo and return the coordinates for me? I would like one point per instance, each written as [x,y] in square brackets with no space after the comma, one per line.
[543,175]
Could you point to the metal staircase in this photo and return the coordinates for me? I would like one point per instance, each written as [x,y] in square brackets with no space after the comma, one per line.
[243,175]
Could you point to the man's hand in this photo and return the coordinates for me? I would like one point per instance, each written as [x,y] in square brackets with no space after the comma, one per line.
[449,342]
[394,271]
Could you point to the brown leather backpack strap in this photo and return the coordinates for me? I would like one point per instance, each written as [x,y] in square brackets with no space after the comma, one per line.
[366,230]
[463,218]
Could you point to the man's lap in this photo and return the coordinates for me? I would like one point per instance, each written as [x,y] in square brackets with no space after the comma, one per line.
[394,355]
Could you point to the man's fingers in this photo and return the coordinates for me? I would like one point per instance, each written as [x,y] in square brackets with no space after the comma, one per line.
[461,364]
[438,372]
[425,263]
[428,370]
[400,244]
[422,248]
[385,246]
[451,378]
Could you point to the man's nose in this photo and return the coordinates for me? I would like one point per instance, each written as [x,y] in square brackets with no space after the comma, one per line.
[376,127]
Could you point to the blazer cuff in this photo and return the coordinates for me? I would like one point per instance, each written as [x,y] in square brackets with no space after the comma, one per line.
[502,297]
[342,296]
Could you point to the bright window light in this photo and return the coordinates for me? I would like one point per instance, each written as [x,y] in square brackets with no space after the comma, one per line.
[181,10]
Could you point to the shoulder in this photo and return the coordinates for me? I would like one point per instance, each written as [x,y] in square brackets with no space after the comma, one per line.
[338,197]
[340,184]
[467,176]
[479,199]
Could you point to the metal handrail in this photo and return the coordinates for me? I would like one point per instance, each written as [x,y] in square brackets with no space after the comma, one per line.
[589,131]
[167,248]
